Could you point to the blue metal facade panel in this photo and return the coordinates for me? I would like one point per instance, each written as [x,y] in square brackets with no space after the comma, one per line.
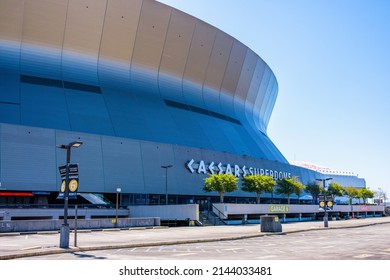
[126,114]
[10,113]
[38,102]
[153,157]
[88,112]
[192,133]
[9,87]
[122,165]
[28,158]
[249,147]
[212,129]
[158,119]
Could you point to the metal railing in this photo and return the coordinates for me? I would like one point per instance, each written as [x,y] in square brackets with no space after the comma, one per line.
[218,215]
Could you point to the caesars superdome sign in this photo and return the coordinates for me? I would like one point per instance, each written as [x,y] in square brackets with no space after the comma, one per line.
[201,167]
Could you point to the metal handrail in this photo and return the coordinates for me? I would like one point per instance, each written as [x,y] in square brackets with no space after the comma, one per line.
[219,214]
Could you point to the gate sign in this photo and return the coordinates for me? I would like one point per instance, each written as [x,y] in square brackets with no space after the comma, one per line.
[73,180]
[326,202]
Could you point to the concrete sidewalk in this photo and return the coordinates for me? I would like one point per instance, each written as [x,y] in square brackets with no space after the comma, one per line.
[17,245]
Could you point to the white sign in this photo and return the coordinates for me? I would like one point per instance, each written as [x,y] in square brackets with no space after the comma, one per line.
[219,168]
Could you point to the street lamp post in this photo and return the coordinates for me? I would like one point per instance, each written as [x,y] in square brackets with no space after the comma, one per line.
[64,232]
[325,213]
[166,181]
[118,191]
[353,215]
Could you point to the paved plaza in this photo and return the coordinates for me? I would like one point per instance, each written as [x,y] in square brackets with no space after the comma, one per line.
[19,245]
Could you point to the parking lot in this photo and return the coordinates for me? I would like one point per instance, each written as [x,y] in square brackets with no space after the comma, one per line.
[369,242]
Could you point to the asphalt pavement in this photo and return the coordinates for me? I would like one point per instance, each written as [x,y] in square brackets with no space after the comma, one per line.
[18,245]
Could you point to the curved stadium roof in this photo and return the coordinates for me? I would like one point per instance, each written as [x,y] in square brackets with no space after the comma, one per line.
[136,69]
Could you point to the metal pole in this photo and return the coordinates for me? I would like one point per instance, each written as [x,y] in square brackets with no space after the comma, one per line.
[325,201]
[166,181]
[116,209]
[166,185]
[326,213]
[75,226]
[64,232]
[66,194]
[353,216]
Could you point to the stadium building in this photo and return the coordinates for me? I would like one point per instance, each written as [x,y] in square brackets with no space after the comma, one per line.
[159,98]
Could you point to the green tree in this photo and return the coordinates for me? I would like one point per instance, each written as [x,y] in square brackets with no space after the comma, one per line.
[289,186]
[258,184]
[335,189]
[351,192]
[314,189]
[364,194]
[221,183]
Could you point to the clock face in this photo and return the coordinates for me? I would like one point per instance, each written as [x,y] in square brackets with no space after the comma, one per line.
[322,203]
[63,186]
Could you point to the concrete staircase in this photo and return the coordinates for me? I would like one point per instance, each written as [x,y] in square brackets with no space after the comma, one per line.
[208,218]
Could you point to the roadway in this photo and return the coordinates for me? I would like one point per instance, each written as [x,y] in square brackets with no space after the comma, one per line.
[343,244]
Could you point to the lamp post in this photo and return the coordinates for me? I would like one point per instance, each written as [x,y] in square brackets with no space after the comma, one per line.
[325,213]
[166,181]
[118,191]
[64,233]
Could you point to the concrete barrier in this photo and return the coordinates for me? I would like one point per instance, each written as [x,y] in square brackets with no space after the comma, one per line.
[289,212]
[270,224]
[54,225]
[9,214]
[166,212]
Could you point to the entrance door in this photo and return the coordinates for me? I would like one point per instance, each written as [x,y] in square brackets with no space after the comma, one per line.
[204,203]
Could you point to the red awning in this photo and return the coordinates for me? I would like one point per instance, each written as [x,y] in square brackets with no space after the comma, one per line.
[16,194]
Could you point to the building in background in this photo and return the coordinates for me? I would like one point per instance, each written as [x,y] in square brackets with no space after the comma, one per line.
[144,86]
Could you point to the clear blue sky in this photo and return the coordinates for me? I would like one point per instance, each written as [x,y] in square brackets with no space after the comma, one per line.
[332,62]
